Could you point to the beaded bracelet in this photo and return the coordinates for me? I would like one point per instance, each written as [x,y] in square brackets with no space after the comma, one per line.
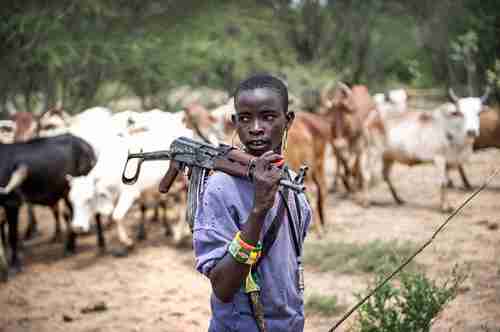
[242,243]
[243,252]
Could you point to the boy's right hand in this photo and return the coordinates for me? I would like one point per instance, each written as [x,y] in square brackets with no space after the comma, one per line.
[266,177]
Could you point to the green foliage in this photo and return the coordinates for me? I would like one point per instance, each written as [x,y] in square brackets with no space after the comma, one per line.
[411,307]
[375,256]
[73,51]
[322,304]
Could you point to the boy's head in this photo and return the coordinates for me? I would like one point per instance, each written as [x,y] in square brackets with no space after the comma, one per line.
[262,116]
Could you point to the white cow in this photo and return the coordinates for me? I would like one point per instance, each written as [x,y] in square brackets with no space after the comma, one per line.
[102,191]
[443,137]
[472,106]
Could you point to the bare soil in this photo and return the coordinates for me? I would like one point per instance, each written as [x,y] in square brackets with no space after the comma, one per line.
[156,287]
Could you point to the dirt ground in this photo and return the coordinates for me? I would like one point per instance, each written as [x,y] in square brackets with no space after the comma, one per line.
[156,287]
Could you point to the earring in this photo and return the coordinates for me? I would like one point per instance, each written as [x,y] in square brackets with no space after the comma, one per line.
[284,140]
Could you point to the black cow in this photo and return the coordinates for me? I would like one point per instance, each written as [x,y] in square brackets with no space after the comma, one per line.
[36,172]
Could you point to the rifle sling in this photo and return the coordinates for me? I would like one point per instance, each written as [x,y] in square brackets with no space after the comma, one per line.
[272,232]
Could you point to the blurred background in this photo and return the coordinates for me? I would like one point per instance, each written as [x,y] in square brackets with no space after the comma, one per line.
[83,53]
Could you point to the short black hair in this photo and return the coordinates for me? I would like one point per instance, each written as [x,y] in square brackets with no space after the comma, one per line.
[264,81]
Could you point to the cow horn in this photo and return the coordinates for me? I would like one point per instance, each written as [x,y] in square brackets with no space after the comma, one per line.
[15,180]
[452,95]
[484,97]
[345,88]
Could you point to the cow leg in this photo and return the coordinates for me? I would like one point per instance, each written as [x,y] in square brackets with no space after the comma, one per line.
[12,219]
[70,242]
[57,232]
[465,180]
[4,267]
[450,183]
[313,197]
[141,234]
[2,233]
[124,203]
[180,229]
[386,172]
[346,174]
[32,230]
[101,241]
[156,215]
[440,164]
[364,178]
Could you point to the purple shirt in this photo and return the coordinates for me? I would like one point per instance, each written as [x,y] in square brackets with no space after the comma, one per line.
[225,206]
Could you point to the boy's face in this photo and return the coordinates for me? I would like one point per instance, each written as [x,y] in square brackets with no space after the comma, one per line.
[260,120]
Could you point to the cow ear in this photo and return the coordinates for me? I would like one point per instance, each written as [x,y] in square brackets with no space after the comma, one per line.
[68,177]
[234,119]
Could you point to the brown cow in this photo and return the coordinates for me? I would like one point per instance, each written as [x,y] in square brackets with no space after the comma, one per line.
[352,108]
[489,130]
[306,145]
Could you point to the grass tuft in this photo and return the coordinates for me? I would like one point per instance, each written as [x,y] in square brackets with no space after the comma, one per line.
[372,257]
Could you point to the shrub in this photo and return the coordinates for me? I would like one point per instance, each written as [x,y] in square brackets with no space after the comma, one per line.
[410,307]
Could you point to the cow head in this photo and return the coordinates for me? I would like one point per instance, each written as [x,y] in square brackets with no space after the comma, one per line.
[54,121]
[83,198]
[7,131]
[470,107]
[88,199]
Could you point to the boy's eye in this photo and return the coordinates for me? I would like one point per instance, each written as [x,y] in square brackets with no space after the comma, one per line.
[244,118]
[269,117]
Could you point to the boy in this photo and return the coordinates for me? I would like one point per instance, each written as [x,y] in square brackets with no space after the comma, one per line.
[244,238]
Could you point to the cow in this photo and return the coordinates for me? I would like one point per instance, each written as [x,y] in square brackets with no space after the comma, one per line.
[35,172]
[28,126]
[102,193]
[489,130]
[351,107]
[486,131]
[443,137]
[306,143]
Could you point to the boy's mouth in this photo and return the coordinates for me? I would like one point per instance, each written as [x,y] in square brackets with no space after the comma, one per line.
[257,144]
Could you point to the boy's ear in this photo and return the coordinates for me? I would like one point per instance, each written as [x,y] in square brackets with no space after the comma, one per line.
[234,119]
[290,116]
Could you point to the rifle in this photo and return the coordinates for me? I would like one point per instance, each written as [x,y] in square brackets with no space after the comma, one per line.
[201,158]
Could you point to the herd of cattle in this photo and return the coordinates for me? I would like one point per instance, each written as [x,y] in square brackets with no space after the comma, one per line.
[55,159]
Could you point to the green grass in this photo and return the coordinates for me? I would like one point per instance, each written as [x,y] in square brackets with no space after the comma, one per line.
[323,304]
[372,257]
